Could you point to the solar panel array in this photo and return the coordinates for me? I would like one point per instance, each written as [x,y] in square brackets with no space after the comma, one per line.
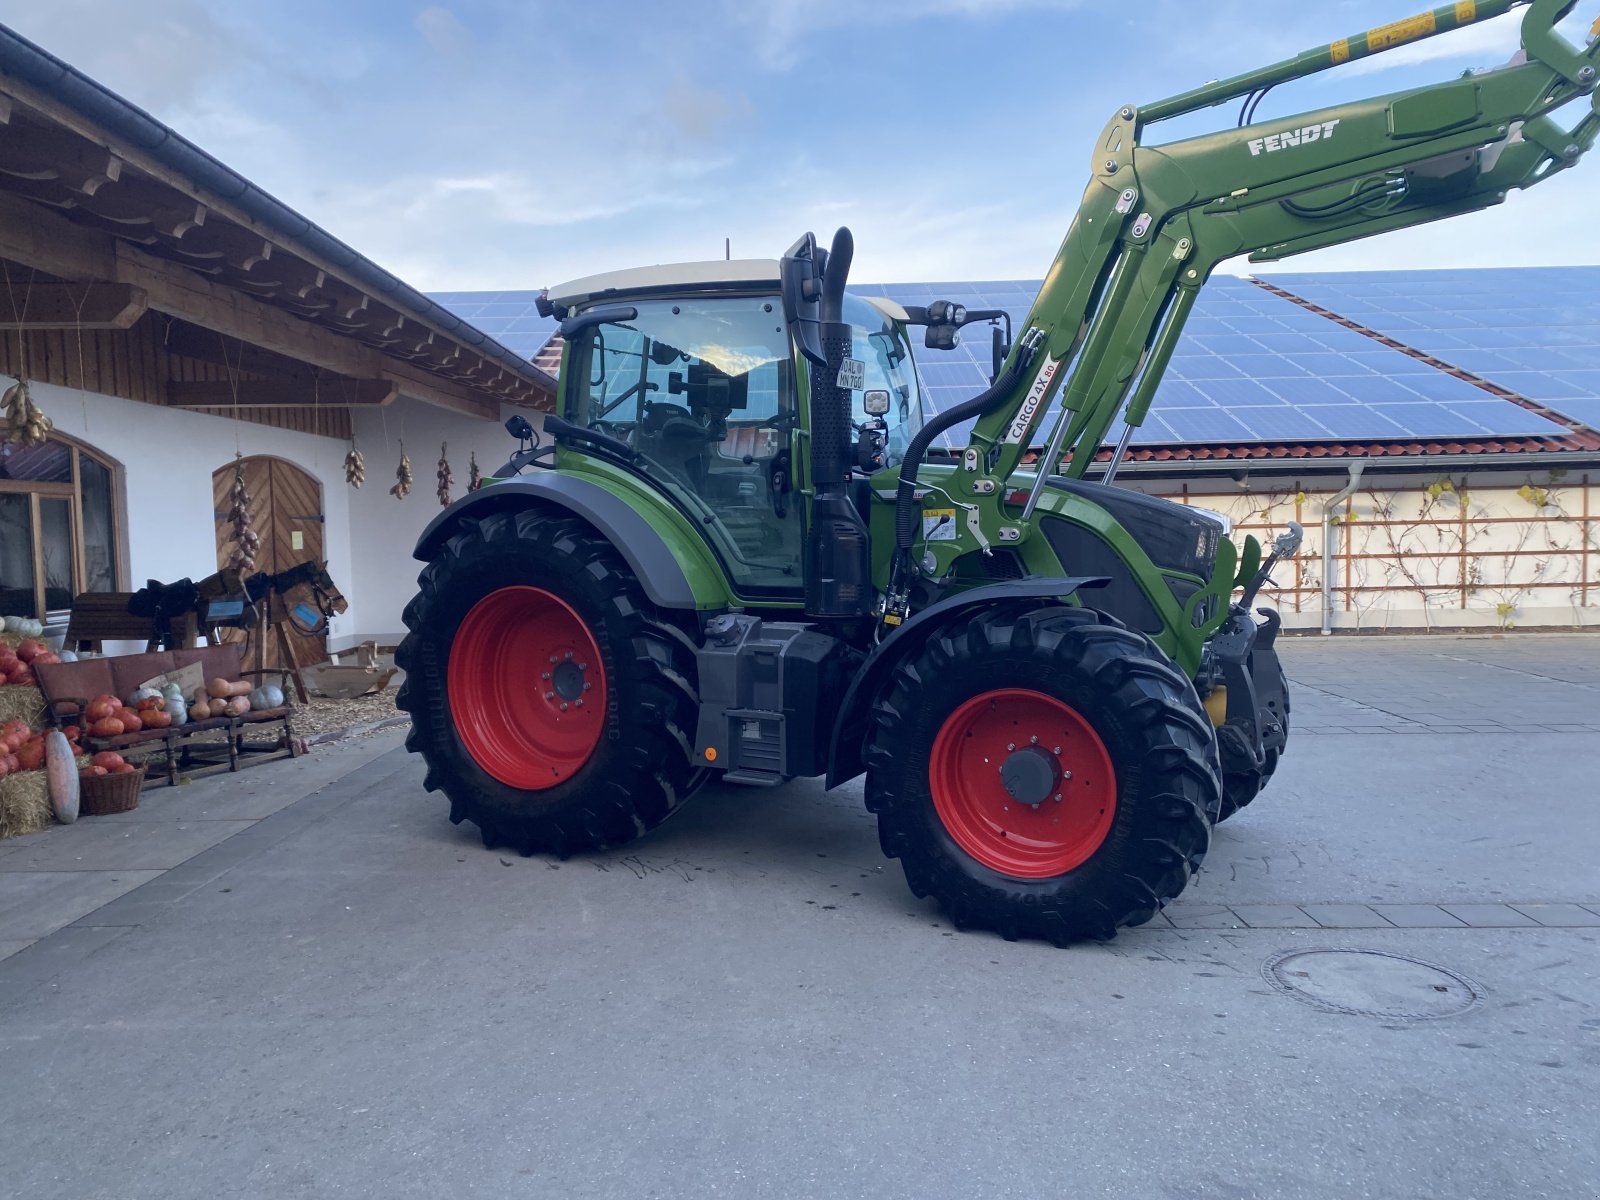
[1532,330]
[1253,367]
[508,317]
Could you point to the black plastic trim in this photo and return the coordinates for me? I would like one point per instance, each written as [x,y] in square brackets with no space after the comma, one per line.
[645,551]
[844,762]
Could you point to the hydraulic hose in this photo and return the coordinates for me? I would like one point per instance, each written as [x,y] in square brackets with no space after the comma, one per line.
[905,521]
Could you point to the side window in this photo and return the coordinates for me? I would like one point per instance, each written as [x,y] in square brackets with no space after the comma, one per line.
[702,390]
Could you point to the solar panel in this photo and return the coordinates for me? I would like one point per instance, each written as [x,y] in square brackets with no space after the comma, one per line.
[1531,330]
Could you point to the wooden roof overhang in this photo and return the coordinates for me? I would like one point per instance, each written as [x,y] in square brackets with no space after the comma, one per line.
[111,215]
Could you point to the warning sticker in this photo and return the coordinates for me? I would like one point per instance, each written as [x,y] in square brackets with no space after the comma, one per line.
[938,524]
[1401,32]
[852,374]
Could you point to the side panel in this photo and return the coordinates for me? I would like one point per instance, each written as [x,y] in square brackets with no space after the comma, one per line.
[674,566]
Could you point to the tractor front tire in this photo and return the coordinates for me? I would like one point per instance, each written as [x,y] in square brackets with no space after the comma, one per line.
[1239,788]
[1042,773]
[551,702]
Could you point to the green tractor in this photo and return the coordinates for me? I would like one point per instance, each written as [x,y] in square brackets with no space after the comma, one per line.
[736,558]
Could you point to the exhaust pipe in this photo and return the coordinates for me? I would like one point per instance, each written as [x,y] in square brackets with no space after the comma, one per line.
[838,553]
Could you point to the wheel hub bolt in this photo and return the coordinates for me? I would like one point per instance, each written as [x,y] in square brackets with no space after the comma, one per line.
[1033,741]
[563,706]
[587,686]
[549,695]
[546,675]
[1055,750]
[1011,745]
[552,658]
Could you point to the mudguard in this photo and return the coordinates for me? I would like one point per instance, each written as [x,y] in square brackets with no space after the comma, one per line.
[645,551]
[849,728]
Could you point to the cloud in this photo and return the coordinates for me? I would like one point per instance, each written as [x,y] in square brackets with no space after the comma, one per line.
[445,35]
[1490,43]
[783,30]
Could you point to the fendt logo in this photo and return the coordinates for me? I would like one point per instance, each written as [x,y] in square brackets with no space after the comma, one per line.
[1274,142]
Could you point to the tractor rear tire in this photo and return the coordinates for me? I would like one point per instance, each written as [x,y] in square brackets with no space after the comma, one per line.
[1090,725]
[1239,788]
[552,703]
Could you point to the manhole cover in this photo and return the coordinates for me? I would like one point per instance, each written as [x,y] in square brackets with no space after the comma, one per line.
[1371,983]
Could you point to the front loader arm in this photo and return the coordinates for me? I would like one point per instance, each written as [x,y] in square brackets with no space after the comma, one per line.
[1156,221]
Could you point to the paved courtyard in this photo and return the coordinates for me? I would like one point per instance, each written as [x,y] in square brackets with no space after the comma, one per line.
[304,982]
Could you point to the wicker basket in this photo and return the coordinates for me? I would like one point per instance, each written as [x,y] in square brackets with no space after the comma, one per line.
[102,795]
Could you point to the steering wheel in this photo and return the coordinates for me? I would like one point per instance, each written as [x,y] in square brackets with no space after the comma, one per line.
[673,420]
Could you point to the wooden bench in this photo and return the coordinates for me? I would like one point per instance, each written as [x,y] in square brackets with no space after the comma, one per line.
[68,688]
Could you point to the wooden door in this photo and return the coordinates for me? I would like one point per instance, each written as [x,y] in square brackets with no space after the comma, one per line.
[286,513]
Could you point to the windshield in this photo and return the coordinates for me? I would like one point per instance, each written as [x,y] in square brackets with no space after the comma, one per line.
[881,345]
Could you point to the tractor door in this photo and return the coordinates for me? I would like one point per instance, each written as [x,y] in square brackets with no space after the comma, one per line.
[703,389]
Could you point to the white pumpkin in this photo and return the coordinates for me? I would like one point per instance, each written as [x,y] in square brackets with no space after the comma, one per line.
[61,773]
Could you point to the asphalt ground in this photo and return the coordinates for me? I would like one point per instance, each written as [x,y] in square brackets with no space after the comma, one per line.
[303,981]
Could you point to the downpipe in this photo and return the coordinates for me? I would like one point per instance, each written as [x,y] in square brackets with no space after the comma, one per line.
[1333,502]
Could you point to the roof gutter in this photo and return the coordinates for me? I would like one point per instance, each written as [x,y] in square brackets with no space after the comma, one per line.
[96,103]
[1330,465]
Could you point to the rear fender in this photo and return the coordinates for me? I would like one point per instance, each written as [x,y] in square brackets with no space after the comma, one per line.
[850,727]
[645,550]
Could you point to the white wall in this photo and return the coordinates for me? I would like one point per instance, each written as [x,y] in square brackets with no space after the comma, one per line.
[168,457]
[386,529]
[1427,550]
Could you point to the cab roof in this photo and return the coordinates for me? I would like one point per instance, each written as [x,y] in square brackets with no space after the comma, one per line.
[738,273]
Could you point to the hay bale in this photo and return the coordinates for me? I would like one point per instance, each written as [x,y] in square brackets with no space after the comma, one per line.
[24,803]
[18,701]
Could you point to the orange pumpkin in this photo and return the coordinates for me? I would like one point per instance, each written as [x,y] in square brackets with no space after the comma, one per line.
[102,707]
[30,648]
[147,703]
[107,727]
[156,718]
[130,720]
[31,754]
[94,771]
[21,676]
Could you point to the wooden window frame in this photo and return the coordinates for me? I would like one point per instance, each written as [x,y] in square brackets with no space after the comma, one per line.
[73,493]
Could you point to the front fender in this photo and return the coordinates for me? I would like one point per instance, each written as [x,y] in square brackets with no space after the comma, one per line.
[645,551]
[850,726]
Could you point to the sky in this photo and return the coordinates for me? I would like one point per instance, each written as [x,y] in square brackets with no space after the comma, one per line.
[497,144]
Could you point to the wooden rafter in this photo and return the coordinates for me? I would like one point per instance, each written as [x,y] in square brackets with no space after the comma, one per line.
[71,306]
[280,393]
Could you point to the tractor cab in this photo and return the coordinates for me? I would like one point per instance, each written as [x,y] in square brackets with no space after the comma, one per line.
[691,371]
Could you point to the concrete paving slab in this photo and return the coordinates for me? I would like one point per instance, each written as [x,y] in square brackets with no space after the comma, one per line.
[1418,916]
[11,946]
[113,844]
[1273,916]
[1489,916]
[1560,916]
[36,903]
[1345,916]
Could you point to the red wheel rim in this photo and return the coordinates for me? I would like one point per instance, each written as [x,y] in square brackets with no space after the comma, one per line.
[1052,752]
[527,689]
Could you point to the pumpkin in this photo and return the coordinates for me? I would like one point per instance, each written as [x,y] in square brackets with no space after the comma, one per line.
[267,696]
[156,703]
[30,755]
[200,710]
[26,626]
[221,689]
[8,659]
[30,648]
[107,727]
[21,676]
[237,706]
[93,771]
[130,720]
[14,727]
[61,777]
[178,710]
[68,656]
[124,769]
[139,694]
[107,759]
[102,707]
[156,718]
